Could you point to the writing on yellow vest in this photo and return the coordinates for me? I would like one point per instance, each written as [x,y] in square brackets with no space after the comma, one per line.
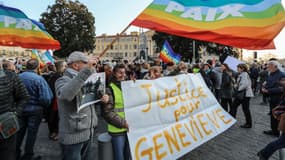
[118,108]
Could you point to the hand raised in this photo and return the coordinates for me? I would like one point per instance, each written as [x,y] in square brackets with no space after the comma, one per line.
[92,62]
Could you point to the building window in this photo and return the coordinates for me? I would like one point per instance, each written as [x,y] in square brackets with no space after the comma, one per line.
[135,46]
[126,46]
[126,54]
[135,54]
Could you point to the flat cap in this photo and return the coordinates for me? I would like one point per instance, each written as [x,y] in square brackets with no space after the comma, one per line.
[77,56]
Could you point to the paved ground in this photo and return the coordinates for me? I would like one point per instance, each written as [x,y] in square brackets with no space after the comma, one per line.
[234,144]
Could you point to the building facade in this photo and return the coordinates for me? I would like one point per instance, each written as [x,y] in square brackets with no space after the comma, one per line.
[10,52]
[13,53]
[127,46]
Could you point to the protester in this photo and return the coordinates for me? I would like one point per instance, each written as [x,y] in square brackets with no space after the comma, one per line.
[154,73]
[52,110]
[244,88]
[273,89]
[218,81]
[131,72]
[76,129]
[226,88]
[113,112]
[196,68]
[46,72]
[182,68]
[144,69]
[277,144]
[209,76]
[170,68]
[13,97]
[263,76]
[20,64]
[107,68]
[40,98]
[157,62]
[254,73]
[8,65]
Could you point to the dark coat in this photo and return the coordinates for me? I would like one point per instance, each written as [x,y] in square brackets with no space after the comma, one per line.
[273,86]
[226,86]
[13,93]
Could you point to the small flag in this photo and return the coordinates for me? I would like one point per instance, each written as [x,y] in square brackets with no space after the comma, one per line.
[168,55]
[35,55]
[47,57]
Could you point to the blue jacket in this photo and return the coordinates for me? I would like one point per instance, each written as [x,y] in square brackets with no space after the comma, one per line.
[38,89]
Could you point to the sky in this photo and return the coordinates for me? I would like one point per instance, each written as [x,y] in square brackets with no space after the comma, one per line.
[111,16]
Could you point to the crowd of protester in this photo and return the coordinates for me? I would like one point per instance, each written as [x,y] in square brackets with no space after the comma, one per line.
[52,92]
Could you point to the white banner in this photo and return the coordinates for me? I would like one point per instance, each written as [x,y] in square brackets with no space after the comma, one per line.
[233,62]
[168,117]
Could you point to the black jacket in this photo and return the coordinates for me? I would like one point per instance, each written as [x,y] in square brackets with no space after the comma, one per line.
[273,86]
[13,93]
[226,86]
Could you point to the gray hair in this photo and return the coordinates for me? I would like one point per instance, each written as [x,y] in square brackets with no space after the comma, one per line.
[277,64]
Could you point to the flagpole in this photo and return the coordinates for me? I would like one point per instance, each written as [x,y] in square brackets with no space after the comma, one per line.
[113,41]
[194,54]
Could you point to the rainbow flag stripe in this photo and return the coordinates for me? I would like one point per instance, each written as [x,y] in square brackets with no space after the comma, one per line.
[240,23]
[16,29]
[168,55]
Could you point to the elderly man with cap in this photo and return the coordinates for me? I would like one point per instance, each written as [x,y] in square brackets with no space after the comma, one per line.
[76,129]
[274,90]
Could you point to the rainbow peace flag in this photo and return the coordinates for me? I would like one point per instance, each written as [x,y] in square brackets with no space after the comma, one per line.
[249,24]
[168,55]
[16,29]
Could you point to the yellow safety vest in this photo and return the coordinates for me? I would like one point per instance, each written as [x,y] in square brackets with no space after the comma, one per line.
[119,108]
